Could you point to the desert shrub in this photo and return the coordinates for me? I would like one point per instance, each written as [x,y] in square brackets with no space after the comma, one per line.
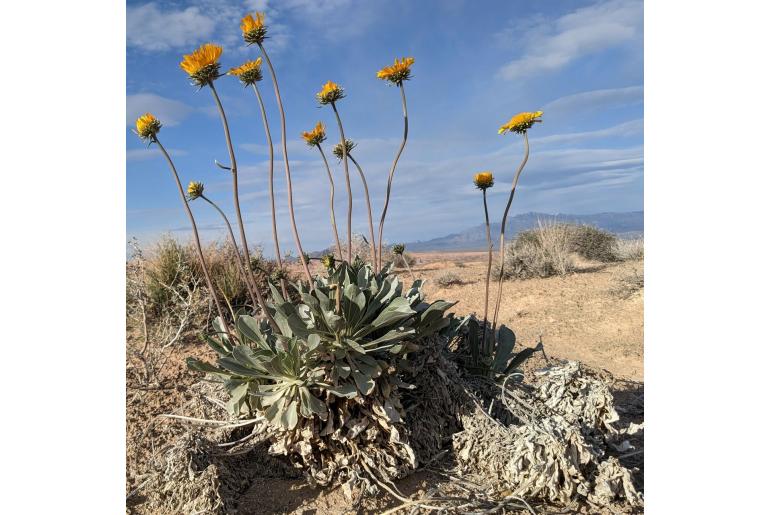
[630,250]
[166,268]
[594,244]
[448,279]
[328,382]
[541,252]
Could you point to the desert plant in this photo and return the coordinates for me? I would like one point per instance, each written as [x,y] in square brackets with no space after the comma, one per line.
[484,181]
[396,74]
[519,124]
[593,243]
[166,268]
[630,250]
[541,252]
[336,358]
[497,358]
[448,279]
[398,251]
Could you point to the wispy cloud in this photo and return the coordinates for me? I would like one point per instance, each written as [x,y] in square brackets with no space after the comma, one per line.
[152,29]
[596,99]
[622,130]
[169,112]
[551,45]
[143,154]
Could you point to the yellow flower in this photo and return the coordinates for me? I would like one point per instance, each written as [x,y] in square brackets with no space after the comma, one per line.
[253,28]
[249,72]
[398,72]
[330,92]
[316,136]
[484,180]
[147,126]
[521,122]
[203,64]
[328,261]
[194,190]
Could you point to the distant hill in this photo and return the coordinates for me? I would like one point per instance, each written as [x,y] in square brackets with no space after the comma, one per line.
[624,225]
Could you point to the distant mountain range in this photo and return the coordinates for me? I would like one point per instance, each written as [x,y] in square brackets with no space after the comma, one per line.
[624,225]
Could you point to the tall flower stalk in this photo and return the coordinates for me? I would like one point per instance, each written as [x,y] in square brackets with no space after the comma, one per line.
[249,74]
[314,138]
[203,68]
[147,127]
[194,191]
[330,93]
[395,74]
[254,32]
[339,151]
[518,124]
[398,250]
[484,181]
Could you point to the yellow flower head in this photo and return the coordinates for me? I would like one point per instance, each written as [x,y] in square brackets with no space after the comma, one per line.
[249,72]
[521,122]
[316,136]
[203,64]
[253,28]
[328,260]
[330,92]
[484,180]
[349,146]
[194,190]
[147,126]
[398,72]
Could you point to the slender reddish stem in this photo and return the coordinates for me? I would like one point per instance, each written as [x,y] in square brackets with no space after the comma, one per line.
[390,177]
[373,243]
[276,245]
[347,183]
[331,201]
[196,237]
[290,194]
[502,234]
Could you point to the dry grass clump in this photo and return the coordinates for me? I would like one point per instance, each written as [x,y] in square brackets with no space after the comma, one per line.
[630,250]
[542,252]
[448,279]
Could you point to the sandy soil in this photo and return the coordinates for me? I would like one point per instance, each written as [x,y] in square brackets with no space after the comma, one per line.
[580,316]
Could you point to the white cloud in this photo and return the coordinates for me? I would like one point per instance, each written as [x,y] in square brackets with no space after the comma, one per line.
[169,112]
[143,154]
[549,46]
[625,129]
[596,99]
[149,28]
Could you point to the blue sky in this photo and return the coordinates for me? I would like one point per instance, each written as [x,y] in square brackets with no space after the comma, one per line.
[476,64]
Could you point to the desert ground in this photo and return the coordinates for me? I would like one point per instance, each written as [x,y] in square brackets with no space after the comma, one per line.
[592,315]
[585,316]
